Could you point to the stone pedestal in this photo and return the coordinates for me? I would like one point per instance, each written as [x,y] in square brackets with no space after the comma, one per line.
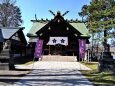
[4,59]
[106,62]
[6,56]
[11,61]
[4,66]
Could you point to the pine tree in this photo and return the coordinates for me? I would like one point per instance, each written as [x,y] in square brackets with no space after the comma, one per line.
[100,17]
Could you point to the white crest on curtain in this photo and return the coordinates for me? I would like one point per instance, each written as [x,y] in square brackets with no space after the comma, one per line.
[58,40]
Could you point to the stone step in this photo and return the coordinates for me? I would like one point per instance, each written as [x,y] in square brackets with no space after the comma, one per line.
[59,58]
[1,54]
[4,57]
[4,54]
[5,51]
[4,66]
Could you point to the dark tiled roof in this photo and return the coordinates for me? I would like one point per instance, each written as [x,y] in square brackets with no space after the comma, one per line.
[8,32]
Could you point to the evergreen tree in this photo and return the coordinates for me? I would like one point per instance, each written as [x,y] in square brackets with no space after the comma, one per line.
[84,12]
[100,17]
[10,15]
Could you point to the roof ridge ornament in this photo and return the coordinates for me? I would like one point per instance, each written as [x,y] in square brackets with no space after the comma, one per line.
[58,13]
[52,12]
[65,13]
[36,17]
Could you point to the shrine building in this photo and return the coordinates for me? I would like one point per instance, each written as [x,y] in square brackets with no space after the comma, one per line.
[60,36]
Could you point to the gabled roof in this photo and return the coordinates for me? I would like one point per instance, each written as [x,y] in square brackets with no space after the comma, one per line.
[75,27]
[81,27]
[36,27]
[78,26]
[1,36]
[8,33]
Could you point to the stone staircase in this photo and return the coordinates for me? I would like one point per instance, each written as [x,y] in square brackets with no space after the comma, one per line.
[4,59]
[59,58]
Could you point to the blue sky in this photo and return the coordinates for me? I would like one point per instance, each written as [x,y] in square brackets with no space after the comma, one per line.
[40,7]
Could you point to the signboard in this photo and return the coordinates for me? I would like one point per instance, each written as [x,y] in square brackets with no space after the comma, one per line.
[82,47]
[58,40]
[38,49]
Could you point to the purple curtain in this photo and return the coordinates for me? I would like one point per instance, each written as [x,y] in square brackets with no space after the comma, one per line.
[82,47]
[38,49]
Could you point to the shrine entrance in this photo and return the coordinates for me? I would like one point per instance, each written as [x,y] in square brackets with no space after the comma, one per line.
[58,50]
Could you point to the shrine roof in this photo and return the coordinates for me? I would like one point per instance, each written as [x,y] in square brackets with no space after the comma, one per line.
[7,33]
[81,27]
[36,27]
[33,39]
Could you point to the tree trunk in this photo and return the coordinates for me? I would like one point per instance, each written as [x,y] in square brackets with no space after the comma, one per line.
[106,46]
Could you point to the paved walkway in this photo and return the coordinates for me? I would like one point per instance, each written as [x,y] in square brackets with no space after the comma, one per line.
[54,77]
[54,65]
[52,73]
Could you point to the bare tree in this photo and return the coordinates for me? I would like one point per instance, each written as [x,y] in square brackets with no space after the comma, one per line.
[10,15]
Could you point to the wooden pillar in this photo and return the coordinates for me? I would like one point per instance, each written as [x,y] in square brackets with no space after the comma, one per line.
[49,49]
[25,51]
[73,53]
[88,55]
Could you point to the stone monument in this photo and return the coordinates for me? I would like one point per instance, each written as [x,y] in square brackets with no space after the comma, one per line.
[106,62]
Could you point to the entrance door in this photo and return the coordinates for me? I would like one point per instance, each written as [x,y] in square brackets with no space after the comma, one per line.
[57,49]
